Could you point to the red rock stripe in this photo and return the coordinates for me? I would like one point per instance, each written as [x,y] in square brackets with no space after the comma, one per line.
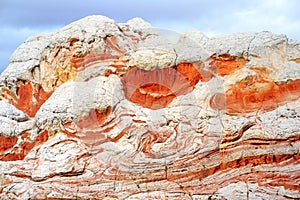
[30,97]
[226,64]
[254,94]
[156,89]
[25,147]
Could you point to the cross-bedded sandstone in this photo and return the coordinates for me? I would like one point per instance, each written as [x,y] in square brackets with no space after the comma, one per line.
[100,110]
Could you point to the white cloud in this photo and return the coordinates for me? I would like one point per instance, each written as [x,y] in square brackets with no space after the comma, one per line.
[277,16]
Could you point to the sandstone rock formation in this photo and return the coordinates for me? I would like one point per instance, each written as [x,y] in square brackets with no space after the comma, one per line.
[100,110]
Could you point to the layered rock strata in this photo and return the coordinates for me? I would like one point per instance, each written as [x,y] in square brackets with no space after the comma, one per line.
[101,110]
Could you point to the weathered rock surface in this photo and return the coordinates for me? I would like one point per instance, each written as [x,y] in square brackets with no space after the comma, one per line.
[100,110]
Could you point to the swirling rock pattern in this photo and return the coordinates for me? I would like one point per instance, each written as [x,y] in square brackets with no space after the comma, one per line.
[100,110]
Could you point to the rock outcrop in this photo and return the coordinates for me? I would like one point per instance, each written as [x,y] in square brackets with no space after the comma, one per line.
[100,110]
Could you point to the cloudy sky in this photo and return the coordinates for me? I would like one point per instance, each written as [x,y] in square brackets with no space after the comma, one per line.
[20,19]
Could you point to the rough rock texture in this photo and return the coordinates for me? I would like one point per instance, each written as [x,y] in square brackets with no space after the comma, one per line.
[100,110]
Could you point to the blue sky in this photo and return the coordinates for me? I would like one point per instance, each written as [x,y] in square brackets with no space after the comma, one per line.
[20,19]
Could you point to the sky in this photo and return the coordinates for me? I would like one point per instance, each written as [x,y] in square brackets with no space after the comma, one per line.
[20,19]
